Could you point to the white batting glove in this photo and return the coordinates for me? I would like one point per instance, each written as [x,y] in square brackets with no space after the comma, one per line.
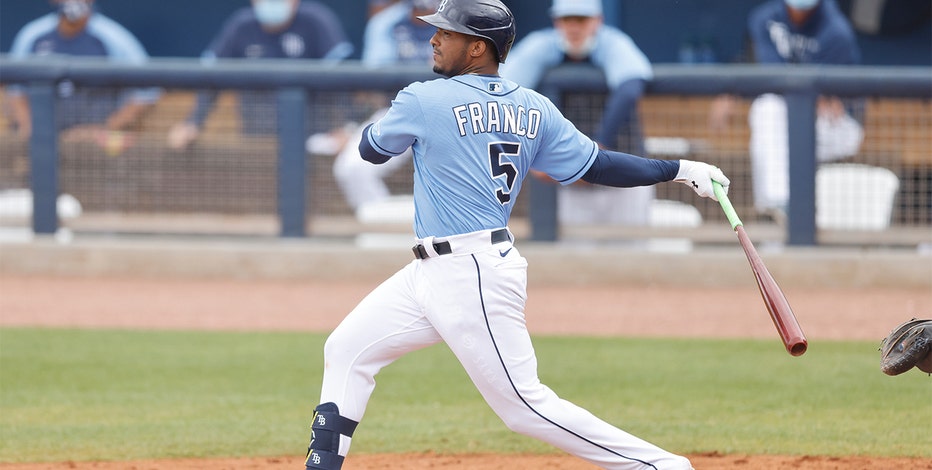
[699,176]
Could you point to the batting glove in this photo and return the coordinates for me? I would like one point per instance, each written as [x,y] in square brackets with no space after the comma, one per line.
[699,176]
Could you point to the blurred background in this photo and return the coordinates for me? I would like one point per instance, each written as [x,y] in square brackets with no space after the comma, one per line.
[661,28]
[231,183]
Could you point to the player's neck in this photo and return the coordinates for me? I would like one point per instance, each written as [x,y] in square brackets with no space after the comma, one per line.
[480,69]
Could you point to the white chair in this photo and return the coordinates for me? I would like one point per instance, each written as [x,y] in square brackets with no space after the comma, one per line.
[851,196]
[667,213]
[672,214]
[17,203]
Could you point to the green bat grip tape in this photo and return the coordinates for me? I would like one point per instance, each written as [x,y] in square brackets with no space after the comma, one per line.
[726,205]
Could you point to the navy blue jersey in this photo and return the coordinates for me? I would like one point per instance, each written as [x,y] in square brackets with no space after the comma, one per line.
[825,37]
[315,33]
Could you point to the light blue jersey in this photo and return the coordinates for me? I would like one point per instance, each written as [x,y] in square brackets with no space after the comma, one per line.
[475,138]
[102,37]
[613,51]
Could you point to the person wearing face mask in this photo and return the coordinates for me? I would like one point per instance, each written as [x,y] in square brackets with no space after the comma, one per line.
[268,29]
[796,32]
[579,35]
[75,28]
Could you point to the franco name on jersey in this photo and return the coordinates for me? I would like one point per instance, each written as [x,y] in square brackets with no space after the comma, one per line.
[497,117]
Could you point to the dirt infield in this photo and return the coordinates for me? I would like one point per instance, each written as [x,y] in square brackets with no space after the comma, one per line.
[825,314]
[495,462]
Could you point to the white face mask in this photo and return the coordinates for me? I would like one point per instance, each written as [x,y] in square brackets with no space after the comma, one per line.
[580,51]
[74,10]
[802,4]
[272,12]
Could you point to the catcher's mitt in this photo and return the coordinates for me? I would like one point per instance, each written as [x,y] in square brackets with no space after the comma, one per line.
[908,345]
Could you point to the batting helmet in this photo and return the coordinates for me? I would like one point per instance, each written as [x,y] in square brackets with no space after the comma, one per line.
[489,19]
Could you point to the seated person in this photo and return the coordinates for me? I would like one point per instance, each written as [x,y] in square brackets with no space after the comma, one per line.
[269,29]
[579,35]
[76,29]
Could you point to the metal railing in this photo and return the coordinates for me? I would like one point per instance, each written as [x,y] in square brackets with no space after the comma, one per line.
[293,81]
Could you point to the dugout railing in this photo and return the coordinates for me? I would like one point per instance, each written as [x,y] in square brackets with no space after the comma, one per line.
[225,177]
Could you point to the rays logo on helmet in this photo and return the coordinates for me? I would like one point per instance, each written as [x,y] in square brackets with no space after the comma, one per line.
[443,5]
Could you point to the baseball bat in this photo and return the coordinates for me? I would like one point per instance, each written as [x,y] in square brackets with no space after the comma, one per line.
[780,312]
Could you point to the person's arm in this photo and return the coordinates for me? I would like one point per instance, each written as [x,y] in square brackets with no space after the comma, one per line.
[21,115]
[625,171]
[531,57]
[368,152]
[395,131]
[128,115]
[763,49]
[331,43]
[22,46]
[379,45]
[184,133]
[123,47]
[620,110]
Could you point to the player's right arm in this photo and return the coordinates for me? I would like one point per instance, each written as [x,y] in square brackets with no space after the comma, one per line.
[368,151]
[391,135]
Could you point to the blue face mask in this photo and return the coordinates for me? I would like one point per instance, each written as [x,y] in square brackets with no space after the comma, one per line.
[272,12]
[74,10]
[802,4]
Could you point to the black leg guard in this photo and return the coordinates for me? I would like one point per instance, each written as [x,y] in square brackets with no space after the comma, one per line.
[326,429]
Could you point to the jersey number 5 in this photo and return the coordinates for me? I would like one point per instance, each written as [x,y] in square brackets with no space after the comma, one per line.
[500,167]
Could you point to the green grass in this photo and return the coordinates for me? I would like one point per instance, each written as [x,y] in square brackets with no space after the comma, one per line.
[120,395]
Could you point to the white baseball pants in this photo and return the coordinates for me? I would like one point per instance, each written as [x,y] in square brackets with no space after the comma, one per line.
[472,299]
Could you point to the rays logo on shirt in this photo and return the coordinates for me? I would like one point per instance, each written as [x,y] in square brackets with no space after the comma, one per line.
[792,47]
[292,45]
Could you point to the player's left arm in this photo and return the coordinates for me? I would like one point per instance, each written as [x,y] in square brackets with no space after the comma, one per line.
[625,170]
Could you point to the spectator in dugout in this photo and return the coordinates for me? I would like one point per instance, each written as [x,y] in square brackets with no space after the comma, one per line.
[75,28]
[376,6]
[579,36]
[268,29]
[790,32]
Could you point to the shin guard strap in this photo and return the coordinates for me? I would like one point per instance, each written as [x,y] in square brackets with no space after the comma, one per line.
[323,460]
[332,421]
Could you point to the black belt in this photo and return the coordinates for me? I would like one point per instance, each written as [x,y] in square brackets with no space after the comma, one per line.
[443,248]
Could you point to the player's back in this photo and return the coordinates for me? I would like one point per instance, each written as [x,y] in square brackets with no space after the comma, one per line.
[475,138]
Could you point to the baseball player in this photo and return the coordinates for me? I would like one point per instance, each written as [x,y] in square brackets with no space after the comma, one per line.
[475,137]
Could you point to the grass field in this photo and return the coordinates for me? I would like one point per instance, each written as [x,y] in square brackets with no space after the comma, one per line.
[122,395]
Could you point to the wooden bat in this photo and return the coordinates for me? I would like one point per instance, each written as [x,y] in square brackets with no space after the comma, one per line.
[780,312]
